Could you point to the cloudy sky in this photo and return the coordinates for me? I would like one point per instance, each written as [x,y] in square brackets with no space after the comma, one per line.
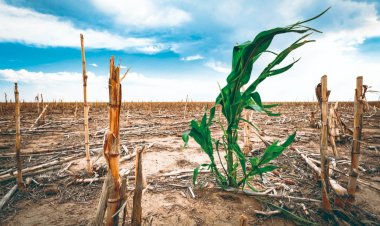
[182,47]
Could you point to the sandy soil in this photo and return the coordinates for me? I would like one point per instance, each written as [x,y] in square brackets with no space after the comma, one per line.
[56,200]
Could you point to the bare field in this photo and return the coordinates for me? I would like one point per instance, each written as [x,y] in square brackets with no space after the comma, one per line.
[56,196]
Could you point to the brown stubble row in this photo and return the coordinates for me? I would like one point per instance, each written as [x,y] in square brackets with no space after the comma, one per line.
[58,107]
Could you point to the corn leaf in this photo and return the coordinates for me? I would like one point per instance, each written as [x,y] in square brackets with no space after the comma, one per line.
[274,150]
[289,140]
[185,138]
[195,175]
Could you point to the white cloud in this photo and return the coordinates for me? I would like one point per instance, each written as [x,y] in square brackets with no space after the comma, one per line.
[140,87]
[318,59]
[151,49]
[353,23]
[192,58]
[55,85]
[30,27]
[94,65]
[349,39]
[143,13]
[135,86]
[38,77]
[218,66]
[336,52]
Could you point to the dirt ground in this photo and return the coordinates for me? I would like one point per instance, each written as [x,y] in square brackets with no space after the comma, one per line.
[54,197]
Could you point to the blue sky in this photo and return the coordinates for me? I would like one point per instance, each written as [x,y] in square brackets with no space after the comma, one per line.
[179,48]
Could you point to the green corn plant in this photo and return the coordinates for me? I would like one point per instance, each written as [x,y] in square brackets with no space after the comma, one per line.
[232,102]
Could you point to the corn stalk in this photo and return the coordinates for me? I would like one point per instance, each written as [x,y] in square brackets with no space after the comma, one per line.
[42,105]
[357,136]
[20,184]
[323,145]
[233,101]
[111,146]
[86,109]
[139,185]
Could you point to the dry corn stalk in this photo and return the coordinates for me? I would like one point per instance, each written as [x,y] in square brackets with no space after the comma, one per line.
[322,95]
[37,98]
[338,189]
[184,112]
[337,128]
[18,140]
[42,105]
[111,144]
[86,109]
[139,185]
[333,121]
[76,109]
[355,152]
[40,116]
[102,205]
[332,130]
[344,129]
[312,122]
[340,131]
[243,220]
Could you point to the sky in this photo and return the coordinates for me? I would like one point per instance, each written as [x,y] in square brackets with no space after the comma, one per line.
[180,48]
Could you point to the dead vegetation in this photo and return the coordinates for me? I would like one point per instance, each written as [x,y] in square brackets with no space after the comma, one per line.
[53,157]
